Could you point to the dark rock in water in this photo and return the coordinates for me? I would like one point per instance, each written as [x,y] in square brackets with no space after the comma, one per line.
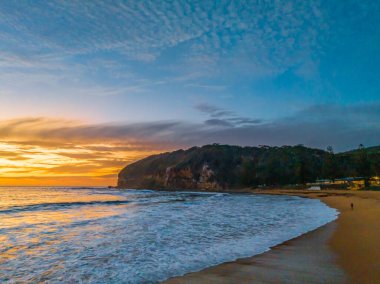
[218,167]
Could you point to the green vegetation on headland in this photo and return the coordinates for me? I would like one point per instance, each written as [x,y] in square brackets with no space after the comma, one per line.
[218,167]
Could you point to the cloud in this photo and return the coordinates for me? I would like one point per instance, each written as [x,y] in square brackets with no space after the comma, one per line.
[265,38]
[126,49]
[206,86]
[223,117]
[312,126]
[212,110]
[218,122]
[53,130]
[235,43]
[343,127]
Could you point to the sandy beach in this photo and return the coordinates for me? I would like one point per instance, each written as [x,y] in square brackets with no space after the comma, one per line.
[344,251]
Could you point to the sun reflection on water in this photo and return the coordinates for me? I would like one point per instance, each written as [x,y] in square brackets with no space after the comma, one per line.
[35,231]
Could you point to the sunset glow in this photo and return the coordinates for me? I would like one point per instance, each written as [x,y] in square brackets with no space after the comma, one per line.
[76,165]
[41,151]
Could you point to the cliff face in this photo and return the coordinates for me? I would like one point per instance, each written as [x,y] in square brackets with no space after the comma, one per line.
[172,177]
[187,179]
[218,167]
[196,168]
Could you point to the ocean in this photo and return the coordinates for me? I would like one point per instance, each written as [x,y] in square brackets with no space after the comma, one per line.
[100,235]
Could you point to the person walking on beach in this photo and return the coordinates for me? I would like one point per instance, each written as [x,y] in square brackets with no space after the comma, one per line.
[352,206]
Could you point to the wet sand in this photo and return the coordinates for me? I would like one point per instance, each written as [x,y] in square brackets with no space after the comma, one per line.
[344,251]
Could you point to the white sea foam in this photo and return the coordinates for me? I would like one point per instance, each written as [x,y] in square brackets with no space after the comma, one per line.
[147,237]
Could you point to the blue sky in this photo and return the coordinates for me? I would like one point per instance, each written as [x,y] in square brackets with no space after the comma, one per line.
[241,72]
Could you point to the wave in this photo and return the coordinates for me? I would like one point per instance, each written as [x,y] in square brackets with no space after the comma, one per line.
[58,205]
[62,205]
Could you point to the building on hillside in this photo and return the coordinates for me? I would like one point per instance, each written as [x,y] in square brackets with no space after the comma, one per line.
[353,183]
[374,181]
[314,187]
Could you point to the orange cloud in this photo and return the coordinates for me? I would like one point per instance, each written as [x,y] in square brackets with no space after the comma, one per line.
[40,151]
[77,165]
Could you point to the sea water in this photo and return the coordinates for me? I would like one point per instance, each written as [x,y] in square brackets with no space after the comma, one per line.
[98,235]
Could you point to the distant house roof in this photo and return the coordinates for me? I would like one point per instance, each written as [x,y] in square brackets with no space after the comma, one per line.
[341,179]
[323,180]
[351,178]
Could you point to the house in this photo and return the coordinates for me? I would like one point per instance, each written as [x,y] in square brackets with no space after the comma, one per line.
[314,187]
[353,183]
[374,181]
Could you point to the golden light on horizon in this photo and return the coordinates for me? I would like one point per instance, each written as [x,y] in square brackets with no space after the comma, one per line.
[40,151]
[70,165]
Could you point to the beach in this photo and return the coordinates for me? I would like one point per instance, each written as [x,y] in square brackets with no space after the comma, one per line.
[343,251]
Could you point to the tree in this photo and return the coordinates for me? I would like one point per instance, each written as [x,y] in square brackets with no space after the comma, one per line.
[363,164]
[330,149]
[300,171]
[247,177]
[330,167]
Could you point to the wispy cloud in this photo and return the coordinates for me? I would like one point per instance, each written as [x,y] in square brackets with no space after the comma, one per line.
[180,39]
[266,36]
[166,49]
[333,120]
[207,87]
[222,117]
[212,110]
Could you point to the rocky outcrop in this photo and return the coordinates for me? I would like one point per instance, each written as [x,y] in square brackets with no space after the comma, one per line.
[187,179]
[174,178]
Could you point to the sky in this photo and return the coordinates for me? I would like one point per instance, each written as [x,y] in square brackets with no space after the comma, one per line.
[87,87]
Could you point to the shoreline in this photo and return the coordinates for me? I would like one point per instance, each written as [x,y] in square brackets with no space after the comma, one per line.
[343,251]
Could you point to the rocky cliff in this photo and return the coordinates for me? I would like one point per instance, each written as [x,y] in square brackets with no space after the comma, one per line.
[177,170]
